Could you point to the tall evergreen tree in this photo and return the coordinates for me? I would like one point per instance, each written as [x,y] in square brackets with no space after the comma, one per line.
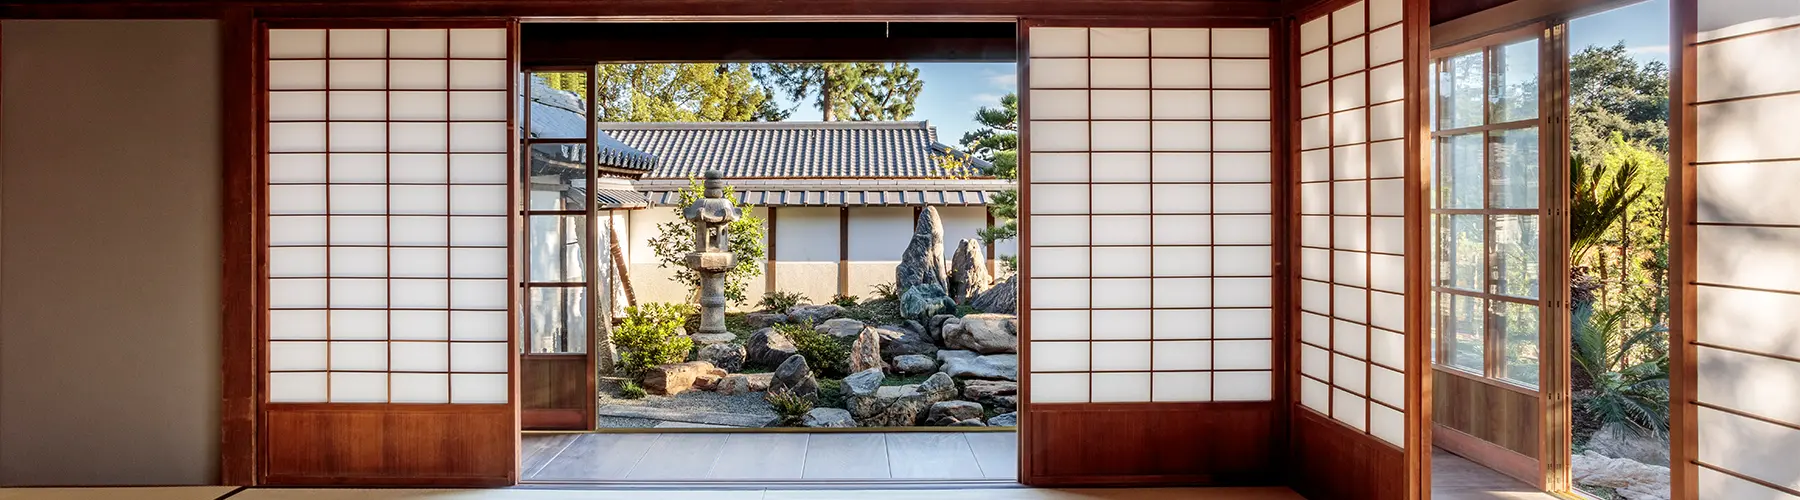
[1609,92]
[998,143]
[848,91]
[690,92]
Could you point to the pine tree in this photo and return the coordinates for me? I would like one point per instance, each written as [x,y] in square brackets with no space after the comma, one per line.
[848,91]
[998,143]
[692,92]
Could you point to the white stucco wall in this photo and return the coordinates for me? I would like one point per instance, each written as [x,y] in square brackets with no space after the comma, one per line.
[806,243]
[651,283]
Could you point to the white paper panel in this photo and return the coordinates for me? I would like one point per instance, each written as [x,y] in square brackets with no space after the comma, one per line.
[1240,73]
[1347,337]
[419,388]
[1350,304]
[422,43]
[1386,46]
[296,169]
[1241,229]
[1181,387]
[417,200]
[1058,167]
[359,325]
[1387,234]
[1349,374]
[290,44]
[297,387]
[348,43]
[420,262]
[1315,395]
[361,356]
[364,168]
[1119,42]
[1241,136]
[1170,230]
[419,325]
[1349,127]
[1119,73]
[1123,136]
[1387,272]
[1387,386]
[1315,67]
[1241,355]
[416,168]
[285,106]
[1059,230]
[1387,121]
[1118,293]
[1058,325]
[1059,104]
[476,357]
[294,356]
[1349,92]
[1315,231]
[477,75]
[297,262]
[1121,387]
[421,294]
[1349,162]
[1349,409]
[1058,136]
[1315,296]
[1182,261]
[419,75]
[1315,362]
[1179,292]
[1179,198]
[1242,292]
[478,200]
[1059,198]
[1059,357]
[1241,261]
[1347,57]
[1387,348]
[1315,132]
[1058,73]
[1121,198]
[297,325]
[1059,293]
[1176,135]
[1315,329]
[1177,324]
[424,105]
[296,137]
[1180,42]
[1350,268]
[478,43]
[1348,22]
[478,325]
[297,75]
[358,293]
[1388,311]
[478,137]
[1120,356]
[1240,42]
[1315,34]
[1059,262]
[473,388]
[1349,198]
[1058,387]
[1315,100]
[1387,159]
[1240,386]
[1171,104]
[1387,424]
[356,74]
[1387,83]
[296,293]
[358,230]
[1180,73]
[1059,42]
[478,294]
[1315,264]
[1121,167]
[1241,167]
[1122,324]
[408,231]
[1121,262]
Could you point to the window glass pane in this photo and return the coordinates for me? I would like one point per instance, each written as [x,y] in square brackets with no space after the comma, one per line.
[1514,88]
[558,176]
[557,249]
[564,110]
[1516,255]
[1464,318]
[1519,324]
[558,320]
[1461,253]
[1513,161]
[1459,91]
[1459,174]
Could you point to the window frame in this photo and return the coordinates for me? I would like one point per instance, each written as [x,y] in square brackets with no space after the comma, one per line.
[1493,341]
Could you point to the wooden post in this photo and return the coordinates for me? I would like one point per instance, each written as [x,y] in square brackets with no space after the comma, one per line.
[844,251]
[990,245]
[769,270]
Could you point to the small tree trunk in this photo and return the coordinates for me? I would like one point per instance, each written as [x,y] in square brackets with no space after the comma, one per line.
[827,99]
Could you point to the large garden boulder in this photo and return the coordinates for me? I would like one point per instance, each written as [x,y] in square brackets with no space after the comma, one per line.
[676,378]
[983,333]
[913,364]
[923,261]
[998,394]
[815,314]
[768,347]
[921,302]
[1621,441]
[740,384]
[765,319]
[1003,298]
[968,275]
[728,357]
[951,412]
[896,406]
[828,417]
[842,328]
[935,327]
[794,376]
[1628,478]
[969,365]
[897,341]
[865,352]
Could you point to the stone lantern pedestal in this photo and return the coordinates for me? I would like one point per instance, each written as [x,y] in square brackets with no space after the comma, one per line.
[711,216]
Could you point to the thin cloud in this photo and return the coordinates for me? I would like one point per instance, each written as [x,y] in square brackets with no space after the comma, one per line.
[1005,80]
[985,98]
[1649,49]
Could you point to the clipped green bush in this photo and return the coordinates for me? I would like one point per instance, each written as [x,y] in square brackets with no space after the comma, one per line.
[845,300]
[780,301]
[651,335]
[825,354]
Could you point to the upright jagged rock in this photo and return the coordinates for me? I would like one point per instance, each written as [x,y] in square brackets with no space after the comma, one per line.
[968,272]
[923,262]
[1001,299]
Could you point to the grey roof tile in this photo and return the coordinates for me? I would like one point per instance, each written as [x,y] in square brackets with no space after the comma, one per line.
[840,150]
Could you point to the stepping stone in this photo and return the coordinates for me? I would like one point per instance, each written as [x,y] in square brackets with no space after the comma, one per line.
[692,417]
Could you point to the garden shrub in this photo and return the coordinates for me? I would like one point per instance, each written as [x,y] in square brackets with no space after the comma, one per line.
[631,390]
[887,291]
[791,407]
[651,335]
[845,301]
[825,354]
[1629,377]
[675,239]
[831,393]
[780,301]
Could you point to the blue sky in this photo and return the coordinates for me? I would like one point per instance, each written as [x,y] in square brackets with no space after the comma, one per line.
[953,91]
[1644,27]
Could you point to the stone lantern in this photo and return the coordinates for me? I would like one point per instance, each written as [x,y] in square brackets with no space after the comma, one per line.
[712,257]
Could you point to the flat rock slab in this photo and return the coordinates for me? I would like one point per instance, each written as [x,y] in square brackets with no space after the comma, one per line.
[692,417]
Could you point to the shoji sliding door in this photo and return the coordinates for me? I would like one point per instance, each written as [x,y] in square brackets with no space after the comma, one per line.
[1148,251]
[389,270]
[1359,211]
[1737,307]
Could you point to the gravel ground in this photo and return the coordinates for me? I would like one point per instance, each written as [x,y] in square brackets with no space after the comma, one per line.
[748,403]
[627,423]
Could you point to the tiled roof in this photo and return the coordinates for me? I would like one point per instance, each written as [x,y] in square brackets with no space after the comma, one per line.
[557,114]
[789,150]
[823,192]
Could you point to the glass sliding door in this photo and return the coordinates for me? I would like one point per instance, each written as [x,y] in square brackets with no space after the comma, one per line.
[558,377]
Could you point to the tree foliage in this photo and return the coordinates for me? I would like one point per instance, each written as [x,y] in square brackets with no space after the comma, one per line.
[675,239]
[687,92]
[848,91]
[997,141]
[651,336]
[1611,93]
